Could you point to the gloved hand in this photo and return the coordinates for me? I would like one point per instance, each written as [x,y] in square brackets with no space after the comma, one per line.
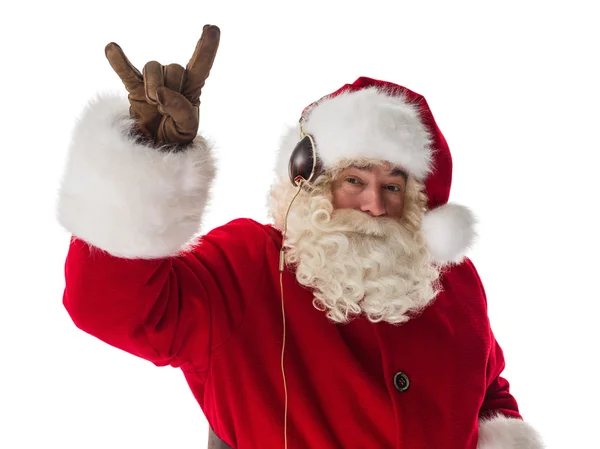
[165,100]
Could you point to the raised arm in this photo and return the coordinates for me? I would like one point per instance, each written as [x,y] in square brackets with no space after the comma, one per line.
[134,189]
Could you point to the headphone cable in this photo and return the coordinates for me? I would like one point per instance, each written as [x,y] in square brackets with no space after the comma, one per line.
[281,267]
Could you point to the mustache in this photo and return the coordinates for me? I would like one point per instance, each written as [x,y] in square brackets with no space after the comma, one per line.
[356,222]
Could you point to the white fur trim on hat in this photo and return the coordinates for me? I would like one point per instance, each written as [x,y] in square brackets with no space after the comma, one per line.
[126,197]
[449,231]
[502,432]
[364,123]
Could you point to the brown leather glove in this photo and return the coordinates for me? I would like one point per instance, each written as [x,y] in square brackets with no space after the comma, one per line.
[165,100]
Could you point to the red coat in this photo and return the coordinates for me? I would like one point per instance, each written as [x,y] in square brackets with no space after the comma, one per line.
[215,312]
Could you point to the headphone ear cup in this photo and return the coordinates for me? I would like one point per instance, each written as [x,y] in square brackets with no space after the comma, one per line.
[302,161]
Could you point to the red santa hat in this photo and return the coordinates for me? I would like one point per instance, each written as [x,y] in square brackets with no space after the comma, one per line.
[382,120]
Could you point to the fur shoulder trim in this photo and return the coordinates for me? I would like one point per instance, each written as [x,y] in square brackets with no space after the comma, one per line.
[126,197]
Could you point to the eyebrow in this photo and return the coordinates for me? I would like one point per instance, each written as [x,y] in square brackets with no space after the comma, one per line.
[393,172]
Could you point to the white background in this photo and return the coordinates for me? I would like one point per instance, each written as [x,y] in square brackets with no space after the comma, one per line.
[513,85]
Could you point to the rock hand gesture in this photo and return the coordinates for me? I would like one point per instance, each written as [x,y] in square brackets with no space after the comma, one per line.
[165,100]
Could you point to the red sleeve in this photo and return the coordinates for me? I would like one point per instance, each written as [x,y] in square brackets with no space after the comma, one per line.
[498,398]
[170,311]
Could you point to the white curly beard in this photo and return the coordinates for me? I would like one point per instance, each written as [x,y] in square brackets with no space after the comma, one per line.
[357,264]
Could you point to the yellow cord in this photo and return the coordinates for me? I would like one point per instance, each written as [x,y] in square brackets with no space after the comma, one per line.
[281,267]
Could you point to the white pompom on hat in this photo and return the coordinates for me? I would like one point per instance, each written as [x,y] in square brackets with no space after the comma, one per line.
[382,120]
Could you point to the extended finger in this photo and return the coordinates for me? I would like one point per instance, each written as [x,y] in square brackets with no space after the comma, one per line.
[153,79]
[198,68]
[131,77]
[183,113]
[173,74]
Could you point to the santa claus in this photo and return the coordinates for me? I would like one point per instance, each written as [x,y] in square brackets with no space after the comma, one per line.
[353,320]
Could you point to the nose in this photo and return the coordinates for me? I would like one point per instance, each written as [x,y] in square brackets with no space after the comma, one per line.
[373,202]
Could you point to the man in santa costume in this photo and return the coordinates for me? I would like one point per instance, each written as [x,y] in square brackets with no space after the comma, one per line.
[352,321]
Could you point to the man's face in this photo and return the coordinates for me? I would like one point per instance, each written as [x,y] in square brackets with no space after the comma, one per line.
[377,190]
[355,240]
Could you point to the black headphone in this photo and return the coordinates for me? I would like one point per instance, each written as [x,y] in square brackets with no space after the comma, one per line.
[303,164]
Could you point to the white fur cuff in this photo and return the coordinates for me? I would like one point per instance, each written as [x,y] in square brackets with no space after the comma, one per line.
[128,198]
[502,432]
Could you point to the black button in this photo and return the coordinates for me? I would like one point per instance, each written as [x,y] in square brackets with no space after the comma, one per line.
[401,381]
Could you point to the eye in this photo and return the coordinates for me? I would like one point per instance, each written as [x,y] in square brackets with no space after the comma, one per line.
[352,181]
[393,188]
